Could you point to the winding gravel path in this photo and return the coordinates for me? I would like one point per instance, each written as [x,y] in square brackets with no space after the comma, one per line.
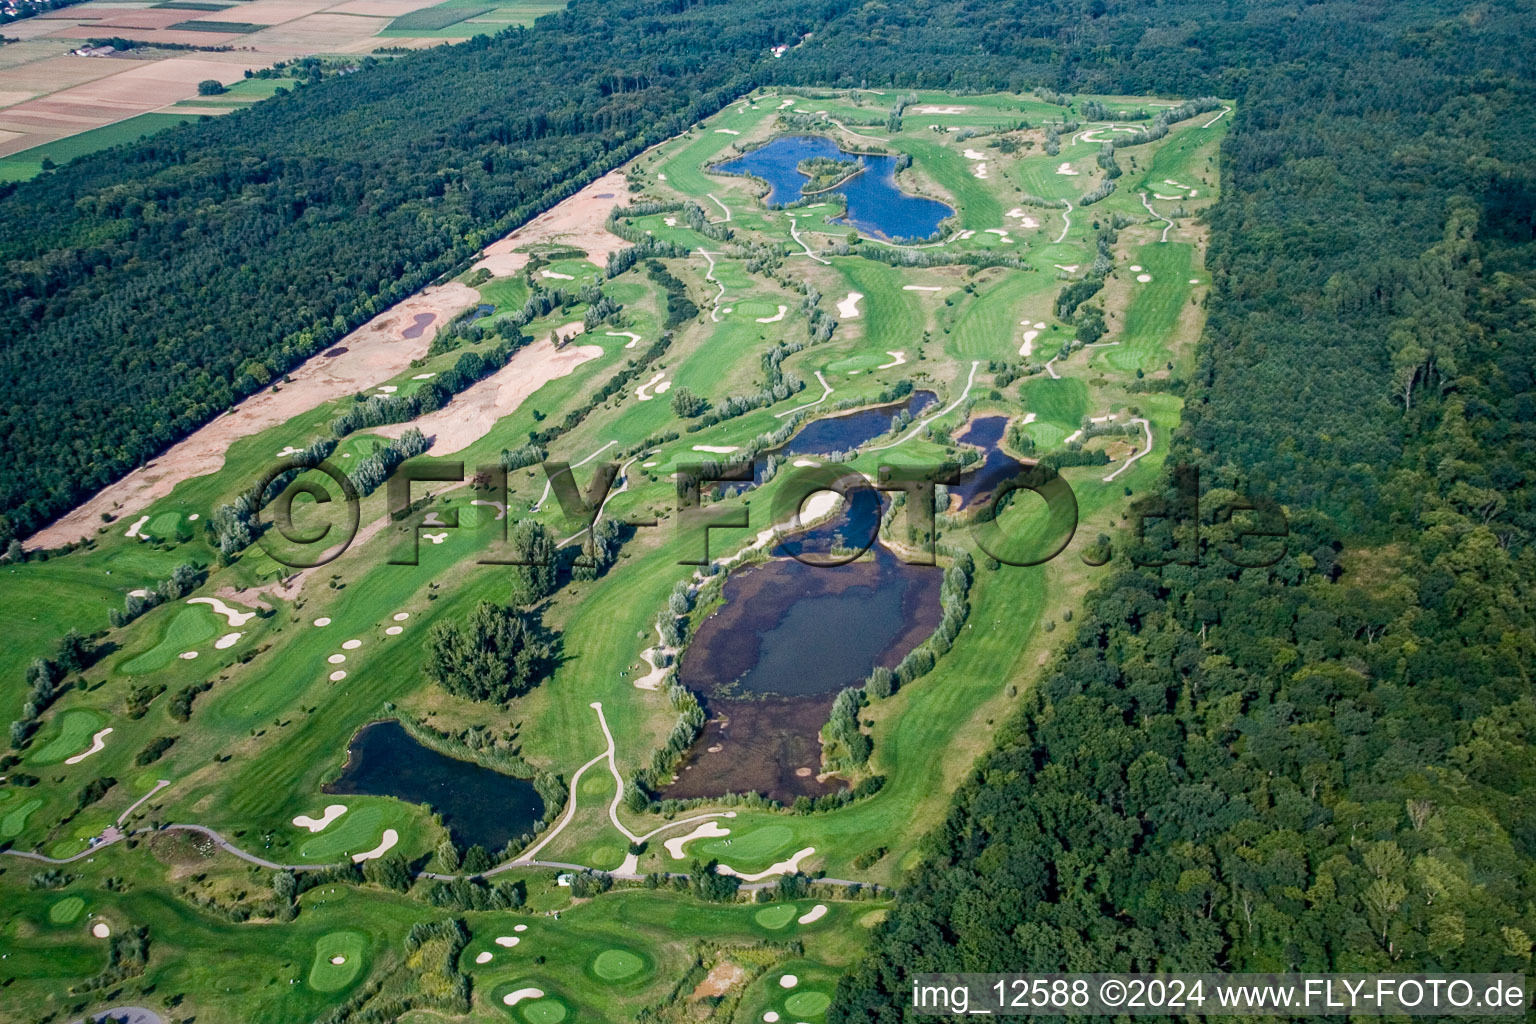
[826,392]
[1066,221]
[1165,220]
[1127,464]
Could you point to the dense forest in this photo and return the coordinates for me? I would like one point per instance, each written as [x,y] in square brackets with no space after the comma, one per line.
[150,287]
[1323,764]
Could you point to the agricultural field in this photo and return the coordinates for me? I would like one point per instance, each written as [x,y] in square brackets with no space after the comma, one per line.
[57,105]
[196,816]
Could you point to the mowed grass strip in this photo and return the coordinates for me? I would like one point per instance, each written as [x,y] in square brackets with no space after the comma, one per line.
[1155,307]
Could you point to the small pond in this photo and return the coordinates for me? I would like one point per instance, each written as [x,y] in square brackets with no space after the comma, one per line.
[876,204]
[840,433]
[479,806]
[979,481]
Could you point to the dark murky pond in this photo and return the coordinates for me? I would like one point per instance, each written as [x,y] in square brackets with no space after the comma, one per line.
[787,637]
[876,204]
[979,481]
[479,806]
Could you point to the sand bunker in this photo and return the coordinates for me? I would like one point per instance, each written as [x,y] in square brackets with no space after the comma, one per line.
[786,103]
[726,131]
[513,998]
[775,318]
[578,222]
[643,391]
[555,275]
[401,616]
[1135,267]
[1025,220]
[771,1017]
[1070,268]
[971,154]
[96,747]
[338,960]
[435,538]
[484,958]
[980,170]
[634,339]
[670,222]
[1029,342]
[388,389]
[802,463]
[942,110]
[783,867]
[322,621]
[236,618]
[816,913]
[1143,278]
[501,510]
[318,825]
[1065,168]
[372,353]
[138,524]
[351,645]
[337,659]
[788,981]
[187,655]
[715,449]
[849,308]
[424,376]
[101,930]
[520,928]
[474,411]
[394,630]
[338,675]
[706,830]
[507,940]
[897,358]
[922,288]
[227,641]
[387,843]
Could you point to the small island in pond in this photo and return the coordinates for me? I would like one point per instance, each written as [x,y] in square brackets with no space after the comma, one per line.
[825,172]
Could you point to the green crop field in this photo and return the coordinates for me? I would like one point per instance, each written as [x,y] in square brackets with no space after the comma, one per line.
[29,162]
[761,323]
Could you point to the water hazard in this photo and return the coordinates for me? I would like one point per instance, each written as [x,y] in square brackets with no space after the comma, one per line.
[479,806]
[876,204]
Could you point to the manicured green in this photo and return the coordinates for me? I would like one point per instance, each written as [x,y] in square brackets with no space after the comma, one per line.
[66,909]
[350,947]
[68,735]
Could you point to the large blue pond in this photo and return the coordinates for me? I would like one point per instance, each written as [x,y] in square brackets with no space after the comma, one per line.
[876,205]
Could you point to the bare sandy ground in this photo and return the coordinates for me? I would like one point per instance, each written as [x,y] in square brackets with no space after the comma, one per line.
[373,353]
[577,221]
[474,411]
